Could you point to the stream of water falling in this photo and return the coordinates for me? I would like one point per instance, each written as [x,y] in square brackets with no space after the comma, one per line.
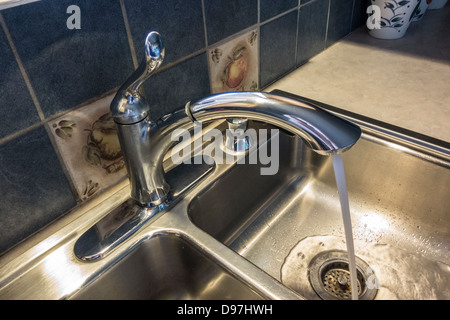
[338,166]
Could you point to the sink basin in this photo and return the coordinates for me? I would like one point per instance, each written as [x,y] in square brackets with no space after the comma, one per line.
[398,192]
[166,267]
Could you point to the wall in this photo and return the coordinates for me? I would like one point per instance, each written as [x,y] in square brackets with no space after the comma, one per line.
[53,77]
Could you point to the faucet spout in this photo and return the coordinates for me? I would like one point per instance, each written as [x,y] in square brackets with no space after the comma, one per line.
[325,133]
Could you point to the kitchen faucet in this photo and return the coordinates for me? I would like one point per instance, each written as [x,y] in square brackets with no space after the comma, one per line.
[144,142]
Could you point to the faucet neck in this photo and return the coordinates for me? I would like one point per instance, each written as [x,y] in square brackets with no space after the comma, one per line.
[322,131]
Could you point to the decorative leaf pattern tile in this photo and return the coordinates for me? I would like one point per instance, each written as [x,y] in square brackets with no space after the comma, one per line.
[89,147]
[234,64]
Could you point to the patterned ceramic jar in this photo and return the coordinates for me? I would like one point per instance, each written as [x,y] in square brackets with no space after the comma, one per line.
[395,17]
[421,10]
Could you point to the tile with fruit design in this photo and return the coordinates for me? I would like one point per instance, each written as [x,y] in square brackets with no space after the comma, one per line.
[88,145]
[234,64]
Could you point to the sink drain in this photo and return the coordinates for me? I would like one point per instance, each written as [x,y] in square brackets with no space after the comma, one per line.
[329,276]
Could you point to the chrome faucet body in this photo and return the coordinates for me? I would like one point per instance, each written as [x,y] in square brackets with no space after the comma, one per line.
[144,142]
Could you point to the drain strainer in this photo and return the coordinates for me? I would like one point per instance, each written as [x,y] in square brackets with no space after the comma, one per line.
[330,277]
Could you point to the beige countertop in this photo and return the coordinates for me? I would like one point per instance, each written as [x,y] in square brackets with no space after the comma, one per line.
[404,82]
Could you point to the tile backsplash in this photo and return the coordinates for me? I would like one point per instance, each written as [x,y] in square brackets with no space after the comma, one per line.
[57,145]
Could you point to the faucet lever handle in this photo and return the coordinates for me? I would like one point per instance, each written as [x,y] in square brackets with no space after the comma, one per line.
[129,105]
[154,52]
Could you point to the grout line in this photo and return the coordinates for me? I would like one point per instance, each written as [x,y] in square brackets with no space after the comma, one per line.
[19,133]
[129,35]
[181,60]
[306,3]
[13,3]
[204,23]
[22,69]
[296,34]
[66,172]
[279,16]
[258,49]
[206,45]
[44,121]
[55,116]
[328,20]
[87,102]
[258,8]
[233,36]
[83,104]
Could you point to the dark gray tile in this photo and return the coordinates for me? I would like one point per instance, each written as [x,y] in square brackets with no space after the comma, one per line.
[180,23]
[16,106]
[312,28]
[66,66]
[34,189]
[271,8]
[277,47]
[340,20]
[170,89]
[359,17]
[226,17]
[302,2]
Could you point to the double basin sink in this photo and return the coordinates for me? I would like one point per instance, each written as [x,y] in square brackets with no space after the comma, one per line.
[237,234]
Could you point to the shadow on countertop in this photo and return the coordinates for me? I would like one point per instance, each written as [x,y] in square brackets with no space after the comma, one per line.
[428,38]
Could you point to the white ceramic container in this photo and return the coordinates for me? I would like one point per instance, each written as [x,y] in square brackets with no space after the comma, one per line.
[395,17]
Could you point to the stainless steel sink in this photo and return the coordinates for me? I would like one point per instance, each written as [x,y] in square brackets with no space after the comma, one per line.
[166,267]
[398,185]
[237,234]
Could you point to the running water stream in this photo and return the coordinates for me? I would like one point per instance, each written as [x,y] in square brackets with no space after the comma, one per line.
[338,166]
